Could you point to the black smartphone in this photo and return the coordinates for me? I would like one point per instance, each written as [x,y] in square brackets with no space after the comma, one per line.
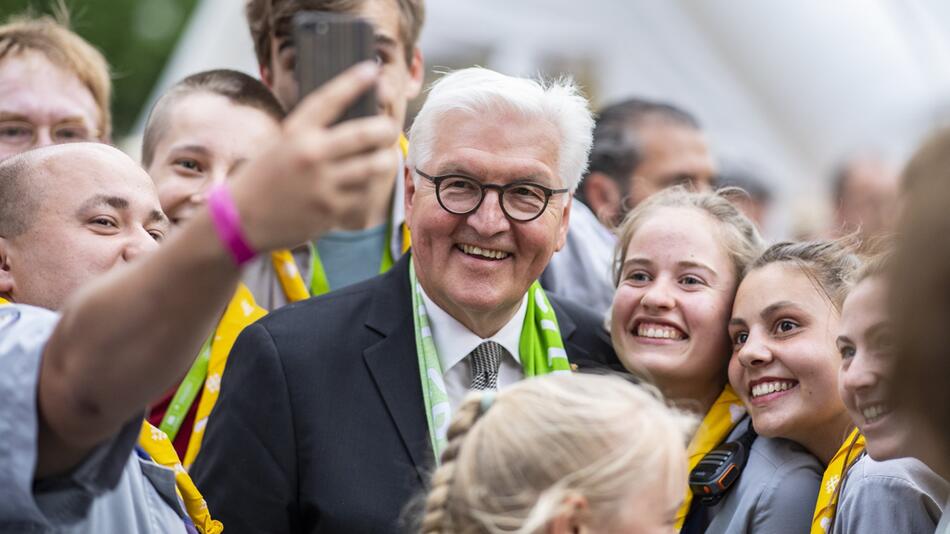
[326,45]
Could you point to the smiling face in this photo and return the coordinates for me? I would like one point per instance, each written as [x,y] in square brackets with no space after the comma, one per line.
[51,100]
[206,141]
[398,83]
[98,210]
[868,360]
[479,285]
[785,363]
[672,305]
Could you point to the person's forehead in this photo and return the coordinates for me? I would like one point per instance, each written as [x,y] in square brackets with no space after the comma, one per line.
[34,88]
[491,141]
[70,178]
[385,17]
[215,123]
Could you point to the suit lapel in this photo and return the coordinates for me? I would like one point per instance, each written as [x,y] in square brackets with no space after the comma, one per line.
[393,364]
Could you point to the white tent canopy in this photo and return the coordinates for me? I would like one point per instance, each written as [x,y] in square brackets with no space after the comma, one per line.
[789,85]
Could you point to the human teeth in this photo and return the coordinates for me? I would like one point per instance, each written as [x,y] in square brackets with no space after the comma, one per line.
[765,388]
[484,252]
[659,331]
[874,412]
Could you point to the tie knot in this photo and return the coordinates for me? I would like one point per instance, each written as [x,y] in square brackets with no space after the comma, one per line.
[485,359]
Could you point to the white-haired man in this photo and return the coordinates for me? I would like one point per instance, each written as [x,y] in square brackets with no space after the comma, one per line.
[332,410]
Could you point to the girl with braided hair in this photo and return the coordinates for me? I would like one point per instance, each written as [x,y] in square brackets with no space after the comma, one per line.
[589,453]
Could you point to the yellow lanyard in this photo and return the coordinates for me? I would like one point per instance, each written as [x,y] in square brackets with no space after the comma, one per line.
[288,273]
[4,301]
[713,430]
[828,494]
[241,312]
[155,443]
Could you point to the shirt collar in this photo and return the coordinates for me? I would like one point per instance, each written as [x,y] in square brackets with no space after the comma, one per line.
[454,341]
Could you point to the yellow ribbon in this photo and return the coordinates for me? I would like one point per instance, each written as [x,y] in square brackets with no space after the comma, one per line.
[713,430]
[155,443]
[241,312]
[288,273]
[828,494]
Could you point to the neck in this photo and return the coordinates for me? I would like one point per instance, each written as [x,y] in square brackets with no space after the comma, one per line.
[824,441]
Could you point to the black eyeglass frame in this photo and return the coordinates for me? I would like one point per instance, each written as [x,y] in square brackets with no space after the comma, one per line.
[437,181]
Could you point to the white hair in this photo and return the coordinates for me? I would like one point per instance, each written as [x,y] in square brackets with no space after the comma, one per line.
[480,91]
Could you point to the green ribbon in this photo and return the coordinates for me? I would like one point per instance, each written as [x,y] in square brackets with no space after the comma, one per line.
[541,351]
[187,392]
[318,276]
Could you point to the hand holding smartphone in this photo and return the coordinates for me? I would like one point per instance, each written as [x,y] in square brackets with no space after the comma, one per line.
[326,45]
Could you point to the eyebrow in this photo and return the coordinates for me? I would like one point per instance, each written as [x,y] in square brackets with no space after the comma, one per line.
[460,170]
[766,313]
[681,264]
[10,116]
[200,149]
[385,40]
[119,203]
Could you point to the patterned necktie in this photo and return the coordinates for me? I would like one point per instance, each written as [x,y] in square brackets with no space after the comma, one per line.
[485,361]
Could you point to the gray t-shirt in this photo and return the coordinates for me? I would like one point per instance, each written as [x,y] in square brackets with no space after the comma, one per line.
[582,270]
[775,493]
[349,257]
[113,490]
[901,495]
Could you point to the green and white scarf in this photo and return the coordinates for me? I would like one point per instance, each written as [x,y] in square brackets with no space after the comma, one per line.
[541,350]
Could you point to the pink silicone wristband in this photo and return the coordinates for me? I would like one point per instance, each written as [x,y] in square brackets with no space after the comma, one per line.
[228,224]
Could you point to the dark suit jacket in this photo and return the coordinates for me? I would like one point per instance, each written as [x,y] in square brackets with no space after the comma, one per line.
[321,425]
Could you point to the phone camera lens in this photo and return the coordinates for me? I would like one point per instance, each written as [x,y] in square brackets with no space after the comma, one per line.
[322,28]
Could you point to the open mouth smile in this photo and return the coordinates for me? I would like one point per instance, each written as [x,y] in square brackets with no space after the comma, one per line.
[483,253]
[769,388]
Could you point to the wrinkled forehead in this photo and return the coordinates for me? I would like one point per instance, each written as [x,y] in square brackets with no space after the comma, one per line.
[35,89]
[65,176]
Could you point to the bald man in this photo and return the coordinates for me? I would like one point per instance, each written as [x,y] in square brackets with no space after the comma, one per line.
[75,384]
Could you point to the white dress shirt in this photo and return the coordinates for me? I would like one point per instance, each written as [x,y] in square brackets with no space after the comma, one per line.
[454,341]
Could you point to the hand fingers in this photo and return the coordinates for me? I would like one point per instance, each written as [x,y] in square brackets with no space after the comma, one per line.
[358,136]
[326,104]
[355,174]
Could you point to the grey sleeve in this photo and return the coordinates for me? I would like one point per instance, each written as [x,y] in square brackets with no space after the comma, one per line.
[24,332]
[883,504]
[787,502]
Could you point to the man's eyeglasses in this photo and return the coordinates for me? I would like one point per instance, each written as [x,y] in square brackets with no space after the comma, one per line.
[22,134]
[520,201]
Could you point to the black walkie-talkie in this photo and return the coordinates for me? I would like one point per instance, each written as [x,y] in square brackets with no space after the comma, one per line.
[712,477]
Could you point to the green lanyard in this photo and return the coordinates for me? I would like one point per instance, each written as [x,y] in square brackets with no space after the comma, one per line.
[318,276]
[187,391]
[540,347]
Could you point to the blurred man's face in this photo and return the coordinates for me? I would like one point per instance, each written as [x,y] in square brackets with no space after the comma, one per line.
[673,155]
[869,201]
[98,210]
[42,104]
[399,81]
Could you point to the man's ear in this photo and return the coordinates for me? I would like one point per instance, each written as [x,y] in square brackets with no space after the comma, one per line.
[410,191]
[603,197]
[416,74]
[565,223]
[267,77]
[6,275]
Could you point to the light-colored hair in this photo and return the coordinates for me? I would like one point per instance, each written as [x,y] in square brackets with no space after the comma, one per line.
[831,265]
[510,468]
[480,92]
[66,50]
[738,235]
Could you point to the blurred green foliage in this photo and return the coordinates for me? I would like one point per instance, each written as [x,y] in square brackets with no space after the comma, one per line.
[136,36]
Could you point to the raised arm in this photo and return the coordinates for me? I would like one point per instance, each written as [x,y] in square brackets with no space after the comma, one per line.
[132,334]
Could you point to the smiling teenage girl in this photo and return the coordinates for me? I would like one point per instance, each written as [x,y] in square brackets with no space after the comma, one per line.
[678,266]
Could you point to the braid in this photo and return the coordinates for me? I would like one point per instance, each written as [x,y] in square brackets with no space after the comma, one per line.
[436,518]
